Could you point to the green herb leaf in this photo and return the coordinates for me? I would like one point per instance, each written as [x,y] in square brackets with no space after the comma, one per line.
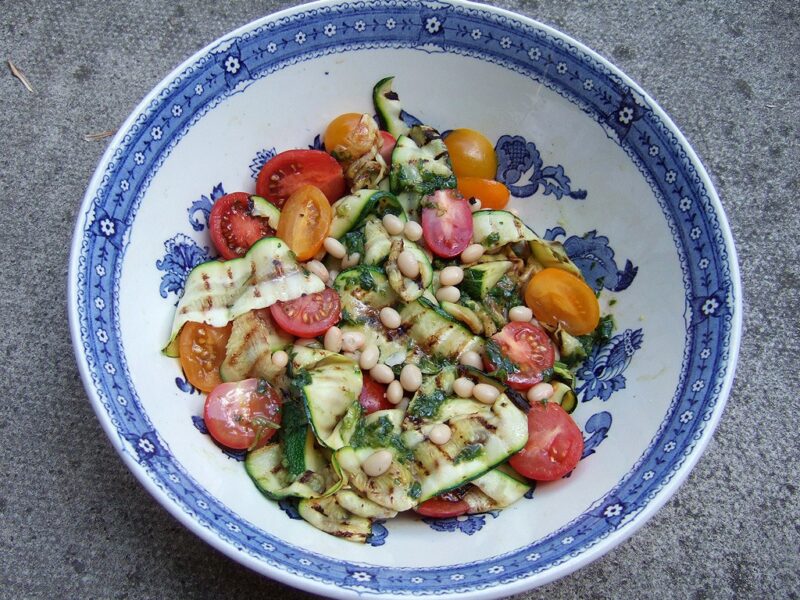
[354,242]
[469,452]
[426,406]
[504,366]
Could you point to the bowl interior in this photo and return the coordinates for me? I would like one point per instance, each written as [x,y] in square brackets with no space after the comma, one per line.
[591,162]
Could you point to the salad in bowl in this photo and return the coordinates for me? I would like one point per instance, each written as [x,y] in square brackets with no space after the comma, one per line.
[380,335]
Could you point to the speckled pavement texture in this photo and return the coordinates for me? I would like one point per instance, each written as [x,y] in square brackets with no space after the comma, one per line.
[73,521]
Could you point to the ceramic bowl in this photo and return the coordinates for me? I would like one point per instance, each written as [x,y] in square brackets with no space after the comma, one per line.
[591,161]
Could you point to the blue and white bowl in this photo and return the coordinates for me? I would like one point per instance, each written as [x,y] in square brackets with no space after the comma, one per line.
[591,160]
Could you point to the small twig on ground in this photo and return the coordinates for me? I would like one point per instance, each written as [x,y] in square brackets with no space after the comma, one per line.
[100,135]
[19,75]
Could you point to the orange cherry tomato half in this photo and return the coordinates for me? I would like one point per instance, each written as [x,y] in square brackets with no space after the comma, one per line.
[560,298]
[348,136]
[305,219]
[243,414]
[471,154]
[202,350]
[491,193]
[554,447]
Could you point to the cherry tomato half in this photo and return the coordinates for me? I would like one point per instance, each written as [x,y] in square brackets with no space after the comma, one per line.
[243,414]
[234,227]
[202,349]
[557,297]
[554,447]
[309,315]
[446,223]
[373,396]
[305,220]
[440,508]
[471,154]
[289,170]
[527,346]
[491,193]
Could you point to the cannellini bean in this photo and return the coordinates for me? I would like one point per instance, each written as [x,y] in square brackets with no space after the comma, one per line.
[390,318]
[394,393]
[413,231]
[393,225]
[440,434]
[411,378]
[352,341]
[474,204]
[521,314]
[280,359]
[483,392]
[333,339]
[408,264]
[332,274]
[463,387]
[448,293]
[377,463]
[351,260]
[382,373]
[334,247]
[452,275]
[539,392]
[472,253]
[369,357]
[471,359]
[318,269]
[305,341]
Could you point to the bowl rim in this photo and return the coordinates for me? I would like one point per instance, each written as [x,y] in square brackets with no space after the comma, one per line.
[589,554]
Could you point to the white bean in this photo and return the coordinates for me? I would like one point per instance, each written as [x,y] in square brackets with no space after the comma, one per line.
[332,274]
[539,392]
[377,463]
[305,341]
[351,260]
[472,253]
[483,392]
[411,378]
[334,247]
[413,231]
[369,357]
[352,341]
[520,314]
[382,373]
[448,293]
[471,359]
[440,434]
[474,204]
[333,339]
[390,318]
[280,359]
[408,264]
[393,225]
[463,387]
[452,275]
[394,393]
[318,269]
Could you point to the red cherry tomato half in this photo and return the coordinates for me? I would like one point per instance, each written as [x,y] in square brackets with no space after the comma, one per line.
[554,447]
[529,348]
[373,396]
[388,147]
[234,227]
[440,508]
[289,170]
[244,414]
[446,223]
[309,315]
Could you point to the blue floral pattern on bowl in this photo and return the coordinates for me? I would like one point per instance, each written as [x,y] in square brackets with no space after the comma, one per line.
[689,206]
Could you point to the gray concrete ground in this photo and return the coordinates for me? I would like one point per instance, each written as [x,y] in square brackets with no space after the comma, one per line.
[74,523]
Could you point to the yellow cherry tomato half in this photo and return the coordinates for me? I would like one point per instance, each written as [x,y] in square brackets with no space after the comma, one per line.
[491,193]
[560,298]
[202,349]
[305,219]
[471,154]
[348,136]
